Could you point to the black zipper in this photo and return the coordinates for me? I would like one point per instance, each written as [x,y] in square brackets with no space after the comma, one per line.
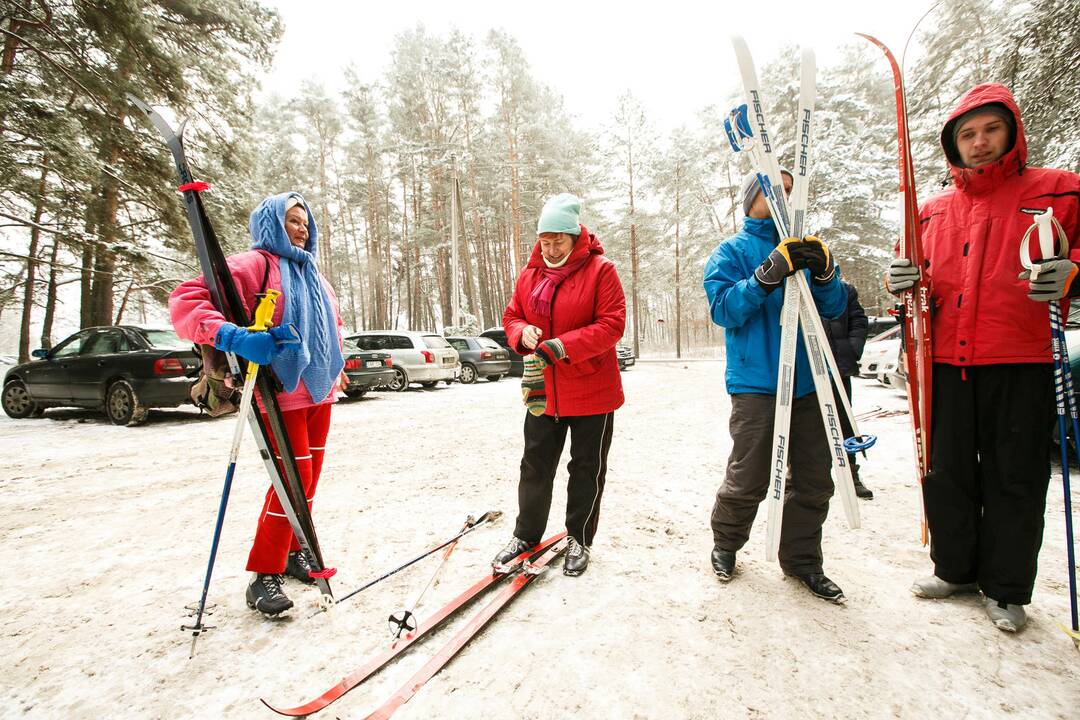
[551,330]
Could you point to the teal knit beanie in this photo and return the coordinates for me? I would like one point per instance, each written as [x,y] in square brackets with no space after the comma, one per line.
[560,215]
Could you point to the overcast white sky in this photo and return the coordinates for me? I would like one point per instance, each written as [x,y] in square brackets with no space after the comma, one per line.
[674,55]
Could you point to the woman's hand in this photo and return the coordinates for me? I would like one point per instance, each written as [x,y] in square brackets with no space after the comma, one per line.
[530,336]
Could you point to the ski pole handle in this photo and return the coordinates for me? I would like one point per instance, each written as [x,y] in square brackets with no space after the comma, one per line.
[1046,224]
[1046,233]
[264,313]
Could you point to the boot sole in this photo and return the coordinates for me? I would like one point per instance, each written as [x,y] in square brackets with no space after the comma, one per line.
[254,606]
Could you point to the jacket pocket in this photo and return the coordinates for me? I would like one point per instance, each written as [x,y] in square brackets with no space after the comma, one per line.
[584,368]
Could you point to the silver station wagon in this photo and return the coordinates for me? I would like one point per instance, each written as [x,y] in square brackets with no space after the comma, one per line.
[418,357]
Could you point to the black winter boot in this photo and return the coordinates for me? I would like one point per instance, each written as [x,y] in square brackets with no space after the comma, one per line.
[265,595]
[515,547]
[723,564]
[822,587]
[298,567]
[577,558]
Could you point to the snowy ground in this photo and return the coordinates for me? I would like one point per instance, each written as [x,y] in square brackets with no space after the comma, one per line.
[106,530]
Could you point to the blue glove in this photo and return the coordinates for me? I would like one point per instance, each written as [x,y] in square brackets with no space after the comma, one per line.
[259,347]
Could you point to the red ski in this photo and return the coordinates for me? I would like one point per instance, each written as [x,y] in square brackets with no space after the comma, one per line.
[918,357]
[362,673]
[467,633]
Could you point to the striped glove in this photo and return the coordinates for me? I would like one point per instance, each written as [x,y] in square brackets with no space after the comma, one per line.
[532,376]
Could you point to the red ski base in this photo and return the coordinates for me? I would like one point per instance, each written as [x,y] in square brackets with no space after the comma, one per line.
[399,646]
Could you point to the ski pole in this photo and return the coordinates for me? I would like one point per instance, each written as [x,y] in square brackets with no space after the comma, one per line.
[263,315]
[1064,396]
[489,516]
[404,621]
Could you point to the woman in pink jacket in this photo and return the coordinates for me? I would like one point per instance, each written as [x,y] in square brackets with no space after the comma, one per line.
[282,257]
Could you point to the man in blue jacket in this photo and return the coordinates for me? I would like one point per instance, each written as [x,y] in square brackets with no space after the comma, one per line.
[744,282]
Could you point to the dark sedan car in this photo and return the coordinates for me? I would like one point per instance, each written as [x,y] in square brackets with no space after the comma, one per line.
[480,357]
[124,370]
[499,335]
[366,369]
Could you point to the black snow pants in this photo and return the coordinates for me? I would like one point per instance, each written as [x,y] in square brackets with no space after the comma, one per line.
[590,440]
[985,494]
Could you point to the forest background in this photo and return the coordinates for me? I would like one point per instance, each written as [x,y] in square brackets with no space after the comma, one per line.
[92,232]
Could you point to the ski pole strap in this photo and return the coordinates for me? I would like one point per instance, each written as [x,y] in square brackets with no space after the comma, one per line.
[859,442]
[324,574]
[196,185]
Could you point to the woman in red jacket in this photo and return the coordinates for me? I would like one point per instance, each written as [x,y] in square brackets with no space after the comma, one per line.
[568,311]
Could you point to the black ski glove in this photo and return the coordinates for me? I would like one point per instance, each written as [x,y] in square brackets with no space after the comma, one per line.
[780,263]
[813,254]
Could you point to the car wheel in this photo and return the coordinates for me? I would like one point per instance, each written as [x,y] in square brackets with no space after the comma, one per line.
[355,394]
[494,378]
[400,381]
[17,402]
[122,405]
[468,374]
[430,383]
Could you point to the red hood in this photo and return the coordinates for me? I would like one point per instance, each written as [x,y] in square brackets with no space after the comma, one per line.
[1011,162]
[581,249]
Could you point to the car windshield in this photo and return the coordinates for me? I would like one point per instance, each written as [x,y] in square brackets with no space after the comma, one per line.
[435,341]
[488,343]
[350,346]
[889,334]
[165,340]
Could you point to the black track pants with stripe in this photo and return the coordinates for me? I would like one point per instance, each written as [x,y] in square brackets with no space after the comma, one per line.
[590,440]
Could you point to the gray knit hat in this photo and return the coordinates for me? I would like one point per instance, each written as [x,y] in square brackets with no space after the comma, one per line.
[749,189]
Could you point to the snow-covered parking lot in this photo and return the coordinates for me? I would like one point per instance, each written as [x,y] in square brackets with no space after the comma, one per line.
[106,531]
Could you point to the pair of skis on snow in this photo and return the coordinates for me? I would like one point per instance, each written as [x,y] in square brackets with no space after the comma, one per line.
[749,133]
[519,572]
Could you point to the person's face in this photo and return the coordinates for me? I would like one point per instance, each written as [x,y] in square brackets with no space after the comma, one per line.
[760,208]
[556,246]
[982,140]
[296,226]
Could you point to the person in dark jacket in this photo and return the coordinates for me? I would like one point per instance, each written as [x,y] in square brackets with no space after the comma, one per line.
[993,377]
[847,336]
[567,312]
[744,280]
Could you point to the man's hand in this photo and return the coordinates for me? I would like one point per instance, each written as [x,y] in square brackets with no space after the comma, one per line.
[814,254]
[901,276]
[530,336]
[1054,280]
[780,263]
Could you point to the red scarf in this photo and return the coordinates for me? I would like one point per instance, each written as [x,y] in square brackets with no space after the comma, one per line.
[542,295]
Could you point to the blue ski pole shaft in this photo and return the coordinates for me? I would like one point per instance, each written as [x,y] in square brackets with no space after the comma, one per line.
[1066,400]
[263,313]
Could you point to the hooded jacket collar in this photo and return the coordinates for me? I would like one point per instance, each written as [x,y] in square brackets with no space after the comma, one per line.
[763,228]
[986,177]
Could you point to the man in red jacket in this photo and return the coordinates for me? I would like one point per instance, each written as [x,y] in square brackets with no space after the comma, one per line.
[567,313]
[993,392]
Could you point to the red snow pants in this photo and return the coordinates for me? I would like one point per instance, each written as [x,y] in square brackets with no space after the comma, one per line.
[307,429]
